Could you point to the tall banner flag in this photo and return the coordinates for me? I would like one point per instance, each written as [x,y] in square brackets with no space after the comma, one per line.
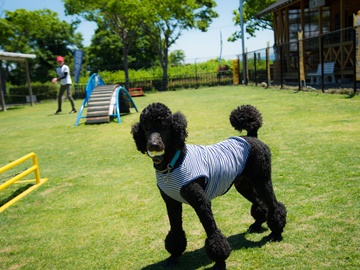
[78,58]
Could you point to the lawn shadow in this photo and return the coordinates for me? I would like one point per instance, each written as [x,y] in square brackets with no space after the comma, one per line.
[197,258]
[15,193]
[352,95]
[14,107]
[57,115]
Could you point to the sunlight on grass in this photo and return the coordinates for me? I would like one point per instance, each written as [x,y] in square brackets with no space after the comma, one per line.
[101,208]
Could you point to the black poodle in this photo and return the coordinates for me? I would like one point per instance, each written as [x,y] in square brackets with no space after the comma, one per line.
[196,174]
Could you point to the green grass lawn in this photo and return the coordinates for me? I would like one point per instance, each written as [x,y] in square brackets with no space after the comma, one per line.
[100,208]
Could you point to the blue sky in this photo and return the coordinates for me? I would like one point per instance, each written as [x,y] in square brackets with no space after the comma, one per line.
[195,44]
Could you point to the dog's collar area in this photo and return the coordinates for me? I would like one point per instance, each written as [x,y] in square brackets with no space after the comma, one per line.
[172,162]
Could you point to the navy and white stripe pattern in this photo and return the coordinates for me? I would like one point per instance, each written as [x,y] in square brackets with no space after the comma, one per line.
[220,164]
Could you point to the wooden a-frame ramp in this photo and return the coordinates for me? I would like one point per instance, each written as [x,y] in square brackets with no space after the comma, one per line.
[104,101]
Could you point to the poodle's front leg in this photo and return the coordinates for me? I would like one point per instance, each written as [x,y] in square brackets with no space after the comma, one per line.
[216,245]
[175,241]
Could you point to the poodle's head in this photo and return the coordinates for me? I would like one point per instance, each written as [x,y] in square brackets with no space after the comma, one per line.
[160,132]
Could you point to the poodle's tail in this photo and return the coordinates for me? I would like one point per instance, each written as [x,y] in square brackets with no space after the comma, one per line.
[246,117]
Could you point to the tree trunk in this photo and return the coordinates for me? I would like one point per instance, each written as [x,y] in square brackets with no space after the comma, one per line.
[126,49]
[164,66]
[126,69]
[165,72]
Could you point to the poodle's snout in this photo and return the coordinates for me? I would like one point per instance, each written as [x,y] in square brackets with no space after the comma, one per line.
[155,143]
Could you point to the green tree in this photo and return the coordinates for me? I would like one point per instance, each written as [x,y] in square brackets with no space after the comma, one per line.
[252,23]
[170,18]
[177,57]
[162,20]
[105,52]
[38,32]
[123,18]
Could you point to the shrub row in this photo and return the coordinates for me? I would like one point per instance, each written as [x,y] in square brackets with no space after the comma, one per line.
[18,94]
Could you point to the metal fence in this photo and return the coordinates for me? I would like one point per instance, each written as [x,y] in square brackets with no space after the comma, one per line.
[292,63]
[174,82]
[336,47]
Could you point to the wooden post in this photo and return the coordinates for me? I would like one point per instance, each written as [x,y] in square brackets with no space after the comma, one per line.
[302,81]
[342,56]
[29,82]
[322,64]
[281,66]
[356,49]
[2,98]
[236,71]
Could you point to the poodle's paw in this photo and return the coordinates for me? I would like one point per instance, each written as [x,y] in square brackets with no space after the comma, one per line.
[217,247]
[255,228]
[274,237]
[171,261]
[219,266]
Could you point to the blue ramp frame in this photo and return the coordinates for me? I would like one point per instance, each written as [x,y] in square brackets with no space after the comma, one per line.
[94,81]
[119,91]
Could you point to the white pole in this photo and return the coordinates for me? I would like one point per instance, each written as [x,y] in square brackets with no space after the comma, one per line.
[242,38]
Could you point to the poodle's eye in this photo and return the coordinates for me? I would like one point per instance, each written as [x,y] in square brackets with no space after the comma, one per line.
[147,128]
[160,127]
[165,127]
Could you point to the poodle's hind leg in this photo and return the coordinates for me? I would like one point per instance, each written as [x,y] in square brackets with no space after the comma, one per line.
[259,213]
[276,221]
[219,266]
[256,178]
[276,212]
[258,209]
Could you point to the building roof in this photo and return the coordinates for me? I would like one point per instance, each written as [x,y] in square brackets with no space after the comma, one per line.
[278,4]
[19,57]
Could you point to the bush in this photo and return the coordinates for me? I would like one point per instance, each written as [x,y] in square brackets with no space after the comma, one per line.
[155,72]
[42,91]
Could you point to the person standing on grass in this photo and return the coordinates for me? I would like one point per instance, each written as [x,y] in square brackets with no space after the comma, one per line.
[64,78]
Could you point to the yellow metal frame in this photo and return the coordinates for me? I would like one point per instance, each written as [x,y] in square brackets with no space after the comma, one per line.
[38,181]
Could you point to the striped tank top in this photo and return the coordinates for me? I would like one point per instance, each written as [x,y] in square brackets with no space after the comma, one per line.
[219,163]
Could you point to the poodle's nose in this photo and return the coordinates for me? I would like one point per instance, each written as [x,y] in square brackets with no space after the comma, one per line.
[155,142]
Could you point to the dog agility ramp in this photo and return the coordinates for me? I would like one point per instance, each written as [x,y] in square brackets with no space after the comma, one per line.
[102,102]
[98,108]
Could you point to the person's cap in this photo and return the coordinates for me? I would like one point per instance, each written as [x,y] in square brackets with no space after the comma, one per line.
[59,59]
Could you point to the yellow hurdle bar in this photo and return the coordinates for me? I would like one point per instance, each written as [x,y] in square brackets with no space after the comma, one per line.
[35,168]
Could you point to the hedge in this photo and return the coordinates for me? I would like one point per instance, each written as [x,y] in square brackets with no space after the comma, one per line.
[17,94]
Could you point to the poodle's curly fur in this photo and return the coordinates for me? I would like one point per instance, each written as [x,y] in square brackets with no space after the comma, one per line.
[161,131]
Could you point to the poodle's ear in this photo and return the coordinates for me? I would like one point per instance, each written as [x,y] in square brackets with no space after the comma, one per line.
[179,131]
[139,137]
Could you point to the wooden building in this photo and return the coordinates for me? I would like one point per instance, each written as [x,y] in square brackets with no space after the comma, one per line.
[328,35]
